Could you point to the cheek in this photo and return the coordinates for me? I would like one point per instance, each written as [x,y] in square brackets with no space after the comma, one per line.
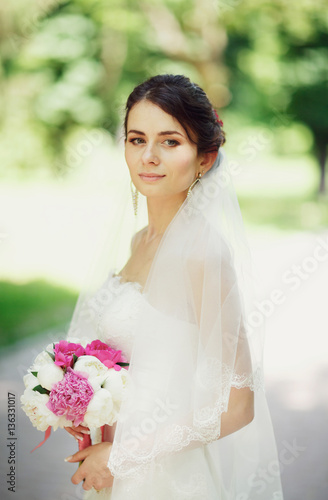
[127,155]
[130,158]
[184,168]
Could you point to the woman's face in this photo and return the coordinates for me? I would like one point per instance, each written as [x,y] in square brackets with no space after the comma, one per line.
[161,159]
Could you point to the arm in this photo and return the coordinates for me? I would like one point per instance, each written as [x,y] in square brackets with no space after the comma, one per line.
[218,308]
[240,411]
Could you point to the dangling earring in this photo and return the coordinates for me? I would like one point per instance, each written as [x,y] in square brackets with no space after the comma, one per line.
[192,185]
[134,194]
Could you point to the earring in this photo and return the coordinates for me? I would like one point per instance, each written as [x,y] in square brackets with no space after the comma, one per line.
[192,185]
[134,194]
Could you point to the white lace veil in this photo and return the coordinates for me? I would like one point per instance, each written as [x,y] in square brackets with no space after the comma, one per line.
[196,337]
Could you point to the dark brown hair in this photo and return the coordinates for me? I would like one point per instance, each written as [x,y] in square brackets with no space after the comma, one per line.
[187,103]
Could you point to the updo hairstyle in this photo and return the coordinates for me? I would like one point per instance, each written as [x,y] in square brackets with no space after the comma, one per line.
[187,103]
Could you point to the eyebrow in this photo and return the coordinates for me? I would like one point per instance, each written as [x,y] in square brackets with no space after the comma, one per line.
[165,132]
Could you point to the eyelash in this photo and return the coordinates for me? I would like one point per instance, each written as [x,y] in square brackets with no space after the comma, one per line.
[176,143]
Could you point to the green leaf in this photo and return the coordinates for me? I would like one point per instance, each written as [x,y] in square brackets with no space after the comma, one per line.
[75,358]
[51,355]
[41,389]
[123,364]
[35,374]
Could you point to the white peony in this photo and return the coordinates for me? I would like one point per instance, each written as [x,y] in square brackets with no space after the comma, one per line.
[37,411]
[100,410]
[42,359]
[30,381]
[94,368]
[116,383]
[48,375]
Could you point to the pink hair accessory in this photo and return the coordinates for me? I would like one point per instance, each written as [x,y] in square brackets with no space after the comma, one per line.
[219,121]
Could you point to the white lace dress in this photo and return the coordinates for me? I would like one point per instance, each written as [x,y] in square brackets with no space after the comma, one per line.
[116,329]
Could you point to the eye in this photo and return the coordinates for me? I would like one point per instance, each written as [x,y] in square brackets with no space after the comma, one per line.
[172,141]
[133,141]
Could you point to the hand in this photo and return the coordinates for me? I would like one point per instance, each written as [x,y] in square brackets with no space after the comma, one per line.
[77,432]
[93,471]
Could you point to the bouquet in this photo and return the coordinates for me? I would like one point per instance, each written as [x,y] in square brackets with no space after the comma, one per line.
[72,383]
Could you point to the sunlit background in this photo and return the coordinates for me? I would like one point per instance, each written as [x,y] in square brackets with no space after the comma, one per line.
[67,68]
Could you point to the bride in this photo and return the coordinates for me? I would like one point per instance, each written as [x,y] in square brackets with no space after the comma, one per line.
[195,422]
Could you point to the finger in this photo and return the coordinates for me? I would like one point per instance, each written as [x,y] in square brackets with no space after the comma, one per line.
[86,486]
[78,456]
[81,428]
[75,434]
[78,476]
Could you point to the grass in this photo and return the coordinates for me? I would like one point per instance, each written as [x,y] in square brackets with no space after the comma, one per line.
[31,308]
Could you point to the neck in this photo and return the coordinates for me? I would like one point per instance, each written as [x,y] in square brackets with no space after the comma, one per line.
[161,211]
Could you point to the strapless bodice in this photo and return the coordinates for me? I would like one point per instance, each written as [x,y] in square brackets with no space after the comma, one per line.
[118,317]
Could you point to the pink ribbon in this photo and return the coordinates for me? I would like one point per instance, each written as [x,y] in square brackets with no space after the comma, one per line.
[86,441]
[46,436]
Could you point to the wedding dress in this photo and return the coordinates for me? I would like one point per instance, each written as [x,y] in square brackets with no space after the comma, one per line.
[115,327]
[191,333]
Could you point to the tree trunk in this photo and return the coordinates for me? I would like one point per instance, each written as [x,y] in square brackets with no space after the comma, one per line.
[321,143]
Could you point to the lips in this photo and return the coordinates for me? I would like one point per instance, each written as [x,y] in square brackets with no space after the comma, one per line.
[149,177]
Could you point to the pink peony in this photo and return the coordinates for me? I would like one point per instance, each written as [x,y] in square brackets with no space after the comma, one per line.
[64,353]
[108,356]
[71,397]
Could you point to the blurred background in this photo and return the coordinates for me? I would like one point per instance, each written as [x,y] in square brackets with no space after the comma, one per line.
[66,69]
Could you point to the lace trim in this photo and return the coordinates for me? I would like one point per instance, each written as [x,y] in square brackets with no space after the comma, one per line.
[206,429]
[255,380]
[218,377]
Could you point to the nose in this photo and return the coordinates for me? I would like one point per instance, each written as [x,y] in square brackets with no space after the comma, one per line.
[150,155]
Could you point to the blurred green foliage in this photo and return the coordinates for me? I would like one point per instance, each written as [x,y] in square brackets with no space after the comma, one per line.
[68,66]
[32,308]
[285,212]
